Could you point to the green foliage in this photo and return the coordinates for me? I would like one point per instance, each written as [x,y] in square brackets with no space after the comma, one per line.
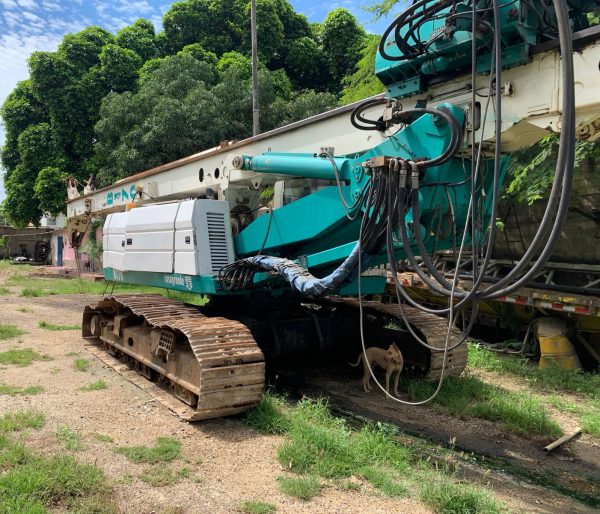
[9,331]
[446,497]
[140,38]
[113,105]
[198,52]
[21,357]
[548,379]
[257,507]
[51,326]
[98,385]
[50,190]
[68,438]
[468,396]
[16,390]
[160,475]
[81,364]
[303,488]
[363,82]
[269,415]
[532,171]
[343,39]
[38,484]
[19,420]
[166,449]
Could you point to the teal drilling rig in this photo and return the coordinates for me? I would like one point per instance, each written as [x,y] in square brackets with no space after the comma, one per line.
[398,176]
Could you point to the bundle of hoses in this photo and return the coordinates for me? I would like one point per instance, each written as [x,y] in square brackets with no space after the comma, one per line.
[390,195]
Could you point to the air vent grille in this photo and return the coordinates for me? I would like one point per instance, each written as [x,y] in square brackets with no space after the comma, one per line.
[217,240]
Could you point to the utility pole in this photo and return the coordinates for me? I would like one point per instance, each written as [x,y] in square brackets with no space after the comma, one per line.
[255,106]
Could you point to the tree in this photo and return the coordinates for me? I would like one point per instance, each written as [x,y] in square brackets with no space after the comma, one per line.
[118,68]
[343,39]
[50,190]
[173,114]
[140,38]
[363,82]
[20,109]
[307,64]
[216,24]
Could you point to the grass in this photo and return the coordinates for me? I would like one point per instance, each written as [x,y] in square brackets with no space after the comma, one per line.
[51,326]
[446,497]
[319,445]
[103,438]
[5,290]
[303,488]
[36,286]
[468,396]
[25,309]
[35,484]
[95,386]
[166,449]
[160,476]
[81,364]
[30,292]
[550,379]
[68,438]
[21,357]
[257,507]
[19,420]
[9,331]
[16,390]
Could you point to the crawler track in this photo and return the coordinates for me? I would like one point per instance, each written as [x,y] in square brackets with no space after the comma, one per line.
[212,364]
[433,328]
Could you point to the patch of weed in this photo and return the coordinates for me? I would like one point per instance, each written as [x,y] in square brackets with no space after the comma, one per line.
[269,415]
[51,326]
[447,497]
[550,378]
[81,364]
[384,482]
[4,290]
[15,390]
[34,484]
[30,292]
[68,438]
[165,449]
[303,488]
[9,331]
[25,309]
[19,420]
[257,507]
[94,386]
[21,357]
[160,476]
[468,396]
[590,422]
[103,438]
[563,405]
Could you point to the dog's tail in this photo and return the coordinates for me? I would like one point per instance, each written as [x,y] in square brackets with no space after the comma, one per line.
[360,358]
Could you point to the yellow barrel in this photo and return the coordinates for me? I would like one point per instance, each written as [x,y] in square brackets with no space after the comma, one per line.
[555,347]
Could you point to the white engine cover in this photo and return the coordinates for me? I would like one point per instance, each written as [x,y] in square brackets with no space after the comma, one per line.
[191,237]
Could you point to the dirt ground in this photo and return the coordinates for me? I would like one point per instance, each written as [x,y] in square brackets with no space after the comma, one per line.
[230,462]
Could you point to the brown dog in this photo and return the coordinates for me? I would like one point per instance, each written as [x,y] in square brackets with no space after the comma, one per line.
[390,360]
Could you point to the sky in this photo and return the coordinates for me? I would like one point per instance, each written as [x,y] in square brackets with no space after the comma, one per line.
[30,25]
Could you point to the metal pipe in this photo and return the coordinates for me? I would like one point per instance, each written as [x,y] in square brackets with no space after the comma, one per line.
[255,104]
[295,165]
[563,439]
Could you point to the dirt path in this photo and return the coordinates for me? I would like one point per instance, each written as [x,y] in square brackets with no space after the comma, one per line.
[230,462]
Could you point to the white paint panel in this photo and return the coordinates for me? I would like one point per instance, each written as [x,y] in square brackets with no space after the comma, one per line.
[149,238]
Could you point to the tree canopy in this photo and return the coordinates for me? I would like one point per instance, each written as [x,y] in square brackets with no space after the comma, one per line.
[112,105]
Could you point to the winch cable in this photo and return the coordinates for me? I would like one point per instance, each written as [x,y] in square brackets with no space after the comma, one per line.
[564,170]
[558,193]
